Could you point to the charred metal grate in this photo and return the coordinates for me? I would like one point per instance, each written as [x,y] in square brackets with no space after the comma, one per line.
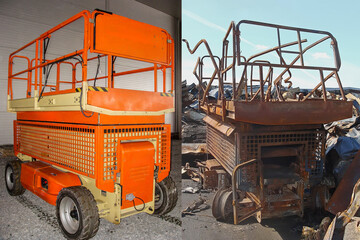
[59,144]
[313,142]
[221,147]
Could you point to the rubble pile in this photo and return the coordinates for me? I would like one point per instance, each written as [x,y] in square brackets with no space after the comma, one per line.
[342,144]
[193,128]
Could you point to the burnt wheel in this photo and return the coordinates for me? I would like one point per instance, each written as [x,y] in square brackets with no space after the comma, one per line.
[12,178]
[77,213]
[222,208]
[226,207]
[165,196]
[216,203]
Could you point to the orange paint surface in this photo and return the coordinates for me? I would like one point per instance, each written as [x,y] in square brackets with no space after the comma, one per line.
[130,100]
[137,172]
[33,172]
[78,117]
[124,37]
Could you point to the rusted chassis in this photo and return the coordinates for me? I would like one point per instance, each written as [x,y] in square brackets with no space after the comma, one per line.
[312,111]
[273,168]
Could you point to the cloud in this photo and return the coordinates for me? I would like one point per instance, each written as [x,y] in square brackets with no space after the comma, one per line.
[202,20]
[350,74]
[211,25]
[261,47]
[207,23]
[321,55]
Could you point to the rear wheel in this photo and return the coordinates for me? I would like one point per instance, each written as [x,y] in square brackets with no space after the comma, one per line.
[12,178]
[165,196]
[216,203]
[222,208]
[77,213]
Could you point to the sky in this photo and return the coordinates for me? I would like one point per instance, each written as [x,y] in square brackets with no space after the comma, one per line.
[210,19]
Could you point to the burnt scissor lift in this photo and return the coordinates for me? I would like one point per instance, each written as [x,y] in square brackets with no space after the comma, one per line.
[90,143]
[271,146]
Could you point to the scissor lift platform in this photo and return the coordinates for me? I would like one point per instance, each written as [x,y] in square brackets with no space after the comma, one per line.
[85,144]
[258,133]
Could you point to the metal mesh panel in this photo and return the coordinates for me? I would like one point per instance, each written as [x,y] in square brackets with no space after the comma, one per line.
[67,146]
[313,142]
[113,136]
[164,149]
[221,147]
[80,148]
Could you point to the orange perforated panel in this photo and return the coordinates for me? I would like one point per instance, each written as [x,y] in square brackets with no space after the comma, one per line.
[124,37]
[65,145]
[91,150]
[112,136]
[165,156]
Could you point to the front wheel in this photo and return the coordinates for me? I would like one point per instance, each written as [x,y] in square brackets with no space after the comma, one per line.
[12,178]
[165,196]
[77,213]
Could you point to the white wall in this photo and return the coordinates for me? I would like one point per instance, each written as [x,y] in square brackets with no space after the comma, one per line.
[21,21]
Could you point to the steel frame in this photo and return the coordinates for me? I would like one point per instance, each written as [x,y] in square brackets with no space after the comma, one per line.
[240,126]
[228,108]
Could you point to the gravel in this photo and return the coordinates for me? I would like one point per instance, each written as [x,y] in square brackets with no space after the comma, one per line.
[29,217]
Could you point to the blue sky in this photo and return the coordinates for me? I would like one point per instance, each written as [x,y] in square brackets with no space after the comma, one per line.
[210,19]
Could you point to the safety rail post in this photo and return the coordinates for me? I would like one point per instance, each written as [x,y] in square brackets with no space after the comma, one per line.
[42,61]
[163,69]
[155,77]
[9,89]
[57,76]
[172,67]
[109,71]
[73,77]
[323,85]
[85,85]
[28,93]
[36,68]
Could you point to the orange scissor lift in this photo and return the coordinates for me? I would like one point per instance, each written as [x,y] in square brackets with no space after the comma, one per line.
[94,150]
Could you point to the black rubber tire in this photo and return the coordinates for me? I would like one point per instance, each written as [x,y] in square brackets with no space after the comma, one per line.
[170,196]
[87,212]
[12,174]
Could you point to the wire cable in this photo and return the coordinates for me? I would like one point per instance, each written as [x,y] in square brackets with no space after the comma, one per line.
[81,109]
[97,70]
[48,69]
[139,210]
